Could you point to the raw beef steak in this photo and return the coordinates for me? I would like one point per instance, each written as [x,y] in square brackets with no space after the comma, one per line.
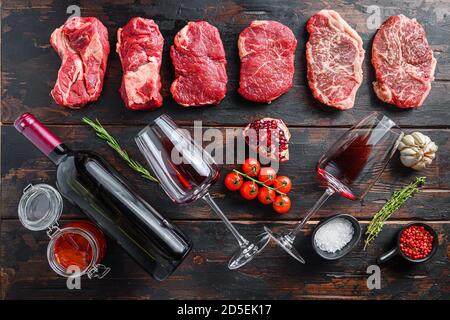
[267,50]
[334,55]
[140,46]
[403,61]
[199,60]
[82,43]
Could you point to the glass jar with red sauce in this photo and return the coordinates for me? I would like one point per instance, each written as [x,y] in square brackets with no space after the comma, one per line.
[75,249]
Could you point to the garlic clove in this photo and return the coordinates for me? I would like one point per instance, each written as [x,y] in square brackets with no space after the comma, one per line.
[430,148]
[410,151]
[427,161]
[406,142]
[430,156]
[421,139]
[409,161]
[419,165]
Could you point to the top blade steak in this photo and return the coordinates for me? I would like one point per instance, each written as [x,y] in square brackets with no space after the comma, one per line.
[267,51]
[199,60]
[140,47]
[403,62]
[334,55]
[82,43]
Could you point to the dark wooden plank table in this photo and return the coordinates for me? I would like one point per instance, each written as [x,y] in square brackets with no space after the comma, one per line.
[29,67]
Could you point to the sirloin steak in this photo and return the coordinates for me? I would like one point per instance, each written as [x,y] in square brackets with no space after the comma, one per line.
[140,46]
[267,51]
[403,61]
[82,44]
[199,60]
[334,55]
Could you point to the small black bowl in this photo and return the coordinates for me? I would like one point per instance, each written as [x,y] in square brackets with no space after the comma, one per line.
[348,247]
[396,250]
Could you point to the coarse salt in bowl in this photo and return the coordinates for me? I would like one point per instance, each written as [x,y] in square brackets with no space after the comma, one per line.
[334,237]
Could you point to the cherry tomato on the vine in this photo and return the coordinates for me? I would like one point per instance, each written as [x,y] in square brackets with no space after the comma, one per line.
[251,167]
[283,184]
[233,181]
[249,190]
[267,175]
[282,204]
[266,195]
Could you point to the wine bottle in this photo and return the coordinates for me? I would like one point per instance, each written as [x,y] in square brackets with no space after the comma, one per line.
[88,181]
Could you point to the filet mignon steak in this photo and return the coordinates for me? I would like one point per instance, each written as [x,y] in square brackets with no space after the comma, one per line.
[266,50]
[403,61]
[82,43]
[334,55]
[140,47]
[199,60]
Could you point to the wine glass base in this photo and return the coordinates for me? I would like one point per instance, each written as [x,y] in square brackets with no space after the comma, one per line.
[247,253]
[287,244]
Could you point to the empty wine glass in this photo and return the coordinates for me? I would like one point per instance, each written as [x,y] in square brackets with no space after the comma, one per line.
[186,172]
[351,167]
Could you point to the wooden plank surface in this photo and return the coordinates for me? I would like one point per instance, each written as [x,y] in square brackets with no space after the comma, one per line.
[28,72]
[30,65]
[28,165]
[273,274]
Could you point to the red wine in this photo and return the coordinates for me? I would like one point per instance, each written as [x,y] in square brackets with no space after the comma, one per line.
[186,173]
[88,181]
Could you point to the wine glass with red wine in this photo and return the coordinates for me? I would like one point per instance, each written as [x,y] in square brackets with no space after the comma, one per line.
[186,172]
[350,167]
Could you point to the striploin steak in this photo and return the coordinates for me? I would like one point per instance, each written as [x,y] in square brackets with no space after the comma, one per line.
[82,44]
[266,50]
[403,61]
[334,55]
[140,46]
[199,60]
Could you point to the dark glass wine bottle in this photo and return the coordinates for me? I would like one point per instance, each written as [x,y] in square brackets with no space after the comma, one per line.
[88,181]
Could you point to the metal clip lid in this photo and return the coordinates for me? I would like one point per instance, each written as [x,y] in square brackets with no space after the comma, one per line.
[98,271]
[40,207]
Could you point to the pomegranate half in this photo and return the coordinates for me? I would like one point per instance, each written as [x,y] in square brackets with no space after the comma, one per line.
[269,137]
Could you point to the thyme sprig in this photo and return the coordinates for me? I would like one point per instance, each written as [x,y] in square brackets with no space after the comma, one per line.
[103,134]
[390,207]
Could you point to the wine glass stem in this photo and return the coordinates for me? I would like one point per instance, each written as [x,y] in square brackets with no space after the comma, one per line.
[242,241]
[328,193]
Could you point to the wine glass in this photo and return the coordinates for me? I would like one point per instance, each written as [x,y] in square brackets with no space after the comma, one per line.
[350,167]
[186,172]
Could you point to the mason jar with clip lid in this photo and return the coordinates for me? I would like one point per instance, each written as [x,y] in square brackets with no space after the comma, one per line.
[75,249]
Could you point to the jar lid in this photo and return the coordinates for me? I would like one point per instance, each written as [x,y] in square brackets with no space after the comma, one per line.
[40,207]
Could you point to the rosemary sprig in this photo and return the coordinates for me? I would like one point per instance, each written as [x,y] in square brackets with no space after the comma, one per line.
[259,182]
[103,134]
[391,206]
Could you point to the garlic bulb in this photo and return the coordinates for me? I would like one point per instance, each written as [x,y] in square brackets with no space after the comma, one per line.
[417,150]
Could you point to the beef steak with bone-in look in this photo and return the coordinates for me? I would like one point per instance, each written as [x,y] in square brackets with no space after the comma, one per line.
[82,43]
[267,51]
[403,61]
[140,46]
[334,55]
[199,60]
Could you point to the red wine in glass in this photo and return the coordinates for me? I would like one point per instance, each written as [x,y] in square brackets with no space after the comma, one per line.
[346,165]
[350,167]
[186,172]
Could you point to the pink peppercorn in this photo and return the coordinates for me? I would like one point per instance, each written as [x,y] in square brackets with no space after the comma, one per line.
[416,242]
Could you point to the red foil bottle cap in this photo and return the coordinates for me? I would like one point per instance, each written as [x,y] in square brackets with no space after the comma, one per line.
[35,131]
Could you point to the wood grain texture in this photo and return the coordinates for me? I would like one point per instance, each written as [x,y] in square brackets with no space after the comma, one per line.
[203,275]
[24,164]
[30,65]
[28,72]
